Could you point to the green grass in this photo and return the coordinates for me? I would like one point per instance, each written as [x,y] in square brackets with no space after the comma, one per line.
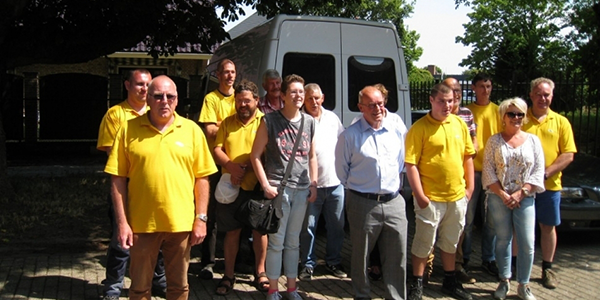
[48,209]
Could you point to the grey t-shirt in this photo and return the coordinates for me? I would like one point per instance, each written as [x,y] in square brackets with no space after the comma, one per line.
[282,135]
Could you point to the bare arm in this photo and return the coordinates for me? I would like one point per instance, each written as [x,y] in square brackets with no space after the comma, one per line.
[313,171]
[469,175]
[210,129]
[260,142]
[559,164]
[236,170]
[201,193]
[118,191]
[414,178]
[475,145]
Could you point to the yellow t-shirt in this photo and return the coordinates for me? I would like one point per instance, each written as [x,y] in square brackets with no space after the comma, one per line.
[489,122]
[215,108]
[438,150]
[236,140]
[556,135]
[162,169]
[111,122]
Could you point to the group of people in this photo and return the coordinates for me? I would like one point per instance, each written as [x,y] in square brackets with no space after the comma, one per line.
[165,171]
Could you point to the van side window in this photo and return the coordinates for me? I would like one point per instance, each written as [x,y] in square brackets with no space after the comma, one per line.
[363,71]
[314,68]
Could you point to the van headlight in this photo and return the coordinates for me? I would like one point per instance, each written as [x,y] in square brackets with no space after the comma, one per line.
[583,192]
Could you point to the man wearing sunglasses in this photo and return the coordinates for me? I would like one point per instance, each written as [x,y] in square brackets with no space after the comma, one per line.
[556,135]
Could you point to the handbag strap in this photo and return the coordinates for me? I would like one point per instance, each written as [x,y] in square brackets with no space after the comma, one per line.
[288,170]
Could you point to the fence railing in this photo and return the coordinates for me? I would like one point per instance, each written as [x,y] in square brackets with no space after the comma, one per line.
[574,98]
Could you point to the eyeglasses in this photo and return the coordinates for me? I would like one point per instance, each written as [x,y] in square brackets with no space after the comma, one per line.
[244,101]
[373,105]
[514,115]
[160,97]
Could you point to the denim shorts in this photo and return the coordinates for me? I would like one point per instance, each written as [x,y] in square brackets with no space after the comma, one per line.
[547,208]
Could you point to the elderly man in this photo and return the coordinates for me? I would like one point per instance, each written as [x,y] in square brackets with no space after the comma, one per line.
[272,101]
[330,193]
[369,158]
[160,163]
[556,135]
[439,166]
[134,106]
[218,105]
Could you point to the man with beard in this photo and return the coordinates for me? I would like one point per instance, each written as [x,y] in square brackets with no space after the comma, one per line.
[272,101]
[232,152]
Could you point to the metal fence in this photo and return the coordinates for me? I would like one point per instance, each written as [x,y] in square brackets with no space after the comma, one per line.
[574,98]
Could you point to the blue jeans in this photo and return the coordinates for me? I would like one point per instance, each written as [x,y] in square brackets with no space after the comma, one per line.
[330,201]
[522,220]
[116,263]
[284,245]
[488,238]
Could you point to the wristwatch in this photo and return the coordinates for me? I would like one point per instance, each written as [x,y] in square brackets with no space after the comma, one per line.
[525,191]
[202,217]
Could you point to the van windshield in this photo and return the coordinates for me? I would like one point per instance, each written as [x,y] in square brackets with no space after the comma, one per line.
[314,68]
[365,70]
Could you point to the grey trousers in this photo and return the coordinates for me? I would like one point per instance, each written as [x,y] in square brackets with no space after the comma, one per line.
[371,221]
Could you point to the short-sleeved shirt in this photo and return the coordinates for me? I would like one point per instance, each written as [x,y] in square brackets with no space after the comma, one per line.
[556,135]
[488,122]
[265,106]
[237,139]
[216,108]
[111,122]
[466,115]
[438,150]
[162,168]
[327,130]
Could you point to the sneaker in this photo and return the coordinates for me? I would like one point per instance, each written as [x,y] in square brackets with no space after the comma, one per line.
[306,274]
[274,296]
[207,272]
[549,279]
[294,295]
[502,290]
[107,297]
[336,270]
[463,277]
[456,290]
[490,267]
[524,292]
[415,292]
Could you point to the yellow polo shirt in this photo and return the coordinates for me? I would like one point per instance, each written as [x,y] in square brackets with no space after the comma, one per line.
[162,169]
[216,108]
[438,150]
[489,122]
[111,122]
[236,139]
[556,135]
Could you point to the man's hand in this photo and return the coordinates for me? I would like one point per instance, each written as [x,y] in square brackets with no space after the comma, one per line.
[125,237]
[237,172]
[198,232]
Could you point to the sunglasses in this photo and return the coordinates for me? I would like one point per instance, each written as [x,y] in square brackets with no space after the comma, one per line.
[513,115]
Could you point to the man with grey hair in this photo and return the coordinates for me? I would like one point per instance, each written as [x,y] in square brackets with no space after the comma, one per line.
[272,101]
[330,193]
[556,135]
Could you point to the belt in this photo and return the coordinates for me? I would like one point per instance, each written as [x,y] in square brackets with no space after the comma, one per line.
[377,197]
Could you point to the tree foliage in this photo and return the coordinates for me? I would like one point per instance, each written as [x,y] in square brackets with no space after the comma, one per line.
[585,39]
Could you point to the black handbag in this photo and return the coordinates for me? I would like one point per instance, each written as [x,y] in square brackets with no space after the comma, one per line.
[263,215]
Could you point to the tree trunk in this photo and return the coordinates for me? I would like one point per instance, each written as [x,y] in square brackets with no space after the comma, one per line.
[6,189]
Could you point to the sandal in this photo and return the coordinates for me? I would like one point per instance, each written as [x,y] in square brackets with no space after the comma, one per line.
[261,285]
[225,285]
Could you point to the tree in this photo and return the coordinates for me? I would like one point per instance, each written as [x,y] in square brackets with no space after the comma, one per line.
[585,38]
[520,39]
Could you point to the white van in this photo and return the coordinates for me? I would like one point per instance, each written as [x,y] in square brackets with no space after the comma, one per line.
[341,55]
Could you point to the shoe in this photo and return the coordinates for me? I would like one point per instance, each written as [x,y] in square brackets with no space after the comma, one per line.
[549,279]
[337,270]
[374,273]
[306,274]
[456,290]
[294,295]
[502,290]
[463,277]
[225,285]
[207,272]
[159,291]
[274,296]
[490,267]
[524,292]
[107,297]
[415,292]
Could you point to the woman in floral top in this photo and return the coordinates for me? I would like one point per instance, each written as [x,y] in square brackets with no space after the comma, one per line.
[513,172]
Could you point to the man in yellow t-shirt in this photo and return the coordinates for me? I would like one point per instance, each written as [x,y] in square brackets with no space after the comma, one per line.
[160,163]
[439,167]
[218,105]
[557,139]
[488,122]
[134,106]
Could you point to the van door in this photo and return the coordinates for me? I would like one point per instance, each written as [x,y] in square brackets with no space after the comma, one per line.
[311,49]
